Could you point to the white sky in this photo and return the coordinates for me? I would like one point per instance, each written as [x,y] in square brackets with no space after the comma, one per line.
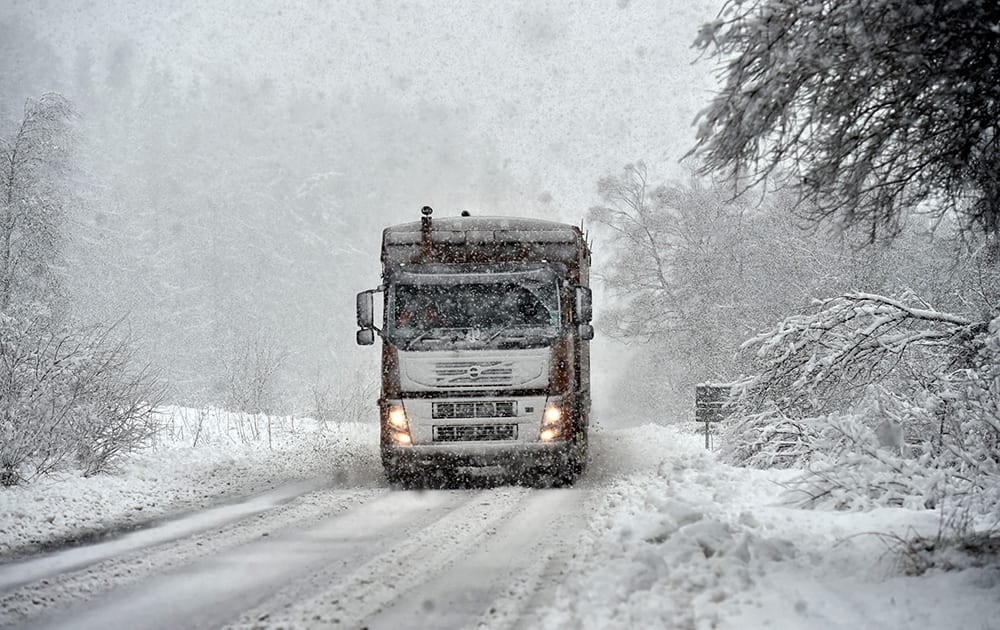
[565,92]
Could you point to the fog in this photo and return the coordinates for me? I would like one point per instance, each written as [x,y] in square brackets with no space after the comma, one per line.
[238,163]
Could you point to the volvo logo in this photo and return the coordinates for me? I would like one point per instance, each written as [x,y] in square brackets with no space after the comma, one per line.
[475,371]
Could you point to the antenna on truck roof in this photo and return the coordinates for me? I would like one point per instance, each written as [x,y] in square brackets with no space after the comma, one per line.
[425,230]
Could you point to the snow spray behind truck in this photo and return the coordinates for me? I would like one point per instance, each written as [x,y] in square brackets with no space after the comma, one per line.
[485,347]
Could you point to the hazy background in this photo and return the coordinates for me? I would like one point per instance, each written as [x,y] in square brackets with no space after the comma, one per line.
[239,162]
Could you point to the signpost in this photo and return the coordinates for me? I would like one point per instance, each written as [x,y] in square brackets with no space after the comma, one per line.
[709,399]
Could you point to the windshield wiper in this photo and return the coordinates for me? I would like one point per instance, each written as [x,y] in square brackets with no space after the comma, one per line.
[501,331]
[414,340]
[435,333]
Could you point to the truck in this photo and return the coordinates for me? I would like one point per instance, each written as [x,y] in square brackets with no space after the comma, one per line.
[485,332]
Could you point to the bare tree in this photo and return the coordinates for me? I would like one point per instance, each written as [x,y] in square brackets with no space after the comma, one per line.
[698,272]
[69,397]
[33,165]
[873,107]
[640,270]
[256,361]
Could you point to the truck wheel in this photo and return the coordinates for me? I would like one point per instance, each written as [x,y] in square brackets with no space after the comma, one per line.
[398,477]
[566,476]
[579,458]
[566,472]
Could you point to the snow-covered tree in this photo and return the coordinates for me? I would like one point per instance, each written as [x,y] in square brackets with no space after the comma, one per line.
[696,273]
[71,395]
[875,108]
[34,161]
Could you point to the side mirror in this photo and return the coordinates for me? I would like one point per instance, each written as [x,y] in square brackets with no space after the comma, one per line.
[583,310]
[586,332]
[366,337]
[366,310]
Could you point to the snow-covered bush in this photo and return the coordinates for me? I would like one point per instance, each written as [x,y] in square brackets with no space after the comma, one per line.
[767,439]
[252,373]
[887,401]
[69,398]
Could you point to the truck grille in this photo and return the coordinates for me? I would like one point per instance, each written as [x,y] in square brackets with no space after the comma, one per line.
[465,373]
[474,432]
[474,409]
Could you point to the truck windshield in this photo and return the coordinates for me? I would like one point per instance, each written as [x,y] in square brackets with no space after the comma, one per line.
[474,312]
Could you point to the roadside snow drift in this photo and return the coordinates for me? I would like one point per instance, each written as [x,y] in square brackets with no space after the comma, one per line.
[175,477]
[683,541]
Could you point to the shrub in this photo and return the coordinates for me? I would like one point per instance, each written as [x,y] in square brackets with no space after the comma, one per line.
[887,402]
[69,397]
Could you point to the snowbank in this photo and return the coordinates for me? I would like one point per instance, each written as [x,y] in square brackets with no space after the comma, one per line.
[683,541]
[175,476]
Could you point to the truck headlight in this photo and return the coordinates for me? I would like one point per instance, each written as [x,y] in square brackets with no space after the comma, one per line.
[552,421]
[399,426]
[548,434]
[553,414]
[397,417]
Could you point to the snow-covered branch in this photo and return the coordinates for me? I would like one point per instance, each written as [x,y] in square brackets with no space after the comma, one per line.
[887,400]
[873,108]
[810,361]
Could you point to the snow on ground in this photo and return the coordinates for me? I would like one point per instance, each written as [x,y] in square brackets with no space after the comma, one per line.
[229,462]
[684,541]
[675,539]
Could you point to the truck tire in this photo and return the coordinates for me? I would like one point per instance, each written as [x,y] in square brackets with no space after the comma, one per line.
[401,478]
[566,476]
[580,458]
[564,472]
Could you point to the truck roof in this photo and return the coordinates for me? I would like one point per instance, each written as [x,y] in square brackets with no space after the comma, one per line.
[486,240]
[448,229]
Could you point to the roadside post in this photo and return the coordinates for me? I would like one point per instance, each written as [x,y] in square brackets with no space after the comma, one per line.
[709,399]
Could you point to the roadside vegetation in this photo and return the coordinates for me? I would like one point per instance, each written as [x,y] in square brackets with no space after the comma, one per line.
[78,393]
[836,258]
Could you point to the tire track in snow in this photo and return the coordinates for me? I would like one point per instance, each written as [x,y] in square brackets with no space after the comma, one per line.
[165,530]
[212,591]
[42,592]
[531,587]
[400,572]
[492,561]
[505,576]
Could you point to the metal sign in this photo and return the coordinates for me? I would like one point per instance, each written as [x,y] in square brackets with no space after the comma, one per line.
[708,402]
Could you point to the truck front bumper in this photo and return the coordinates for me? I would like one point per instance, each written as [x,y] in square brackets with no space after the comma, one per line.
[513,457]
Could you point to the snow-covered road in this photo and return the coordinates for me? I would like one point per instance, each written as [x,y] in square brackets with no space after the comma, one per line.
[315,554]
[657,534]
[330,557]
